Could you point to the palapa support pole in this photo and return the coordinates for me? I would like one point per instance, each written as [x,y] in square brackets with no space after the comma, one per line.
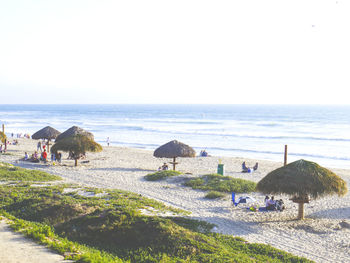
[301,211]
[285,154]
[3,128]
[174,163]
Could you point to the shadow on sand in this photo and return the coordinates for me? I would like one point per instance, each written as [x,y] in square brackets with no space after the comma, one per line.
[121,169]
[238,228]
[336,213]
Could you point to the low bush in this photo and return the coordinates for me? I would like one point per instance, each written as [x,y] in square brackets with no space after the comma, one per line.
[219,183]
[9,172]
[161,175]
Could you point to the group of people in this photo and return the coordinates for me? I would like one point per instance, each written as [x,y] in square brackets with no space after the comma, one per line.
[246,169]
[203,153]
[19,135]
[3,147]
[43,157]
[272,204]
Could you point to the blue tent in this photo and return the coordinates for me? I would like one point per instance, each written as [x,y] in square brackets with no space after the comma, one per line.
[242,199]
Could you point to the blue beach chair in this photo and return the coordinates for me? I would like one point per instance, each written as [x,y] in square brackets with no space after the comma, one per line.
[233,199]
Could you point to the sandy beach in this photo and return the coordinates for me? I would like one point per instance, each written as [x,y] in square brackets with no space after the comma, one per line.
[323,236]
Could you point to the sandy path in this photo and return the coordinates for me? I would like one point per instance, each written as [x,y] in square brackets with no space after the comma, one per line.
[323,236]
[15,248]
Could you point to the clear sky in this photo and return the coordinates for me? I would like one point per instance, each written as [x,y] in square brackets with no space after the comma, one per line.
[180,51]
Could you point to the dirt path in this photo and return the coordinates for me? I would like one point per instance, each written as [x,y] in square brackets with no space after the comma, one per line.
[15,248]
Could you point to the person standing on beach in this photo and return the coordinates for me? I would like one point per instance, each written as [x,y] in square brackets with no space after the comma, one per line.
[44,155]
[39,147]
[108,141]
[59,157]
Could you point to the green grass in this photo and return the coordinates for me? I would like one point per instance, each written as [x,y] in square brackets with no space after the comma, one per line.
[9,172]
[113,229]
[219,183]
[161,175]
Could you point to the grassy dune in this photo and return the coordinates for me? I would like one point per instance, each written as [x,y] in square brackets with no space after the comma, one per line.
[112,226]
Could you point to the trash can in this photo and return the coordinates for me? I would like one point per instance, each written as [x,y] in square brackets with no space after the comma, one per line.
[221,169]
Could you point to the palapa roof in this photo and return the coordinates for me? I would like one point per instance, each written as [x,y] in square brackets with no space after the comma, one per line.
[46,133]
[77,143]
[302,178]
[74,130]
[174,149]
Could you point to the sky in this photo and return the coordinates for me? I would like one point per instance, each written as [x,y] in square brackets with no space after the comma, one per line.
[183,51]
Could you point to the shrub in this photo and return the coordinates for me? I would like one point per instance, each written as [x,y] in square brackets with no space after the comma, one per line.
[219,183]
[12,173]
[161,175]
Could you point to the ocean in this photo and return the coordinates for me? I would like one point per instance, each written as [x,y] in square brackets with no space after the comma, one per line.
[319,133]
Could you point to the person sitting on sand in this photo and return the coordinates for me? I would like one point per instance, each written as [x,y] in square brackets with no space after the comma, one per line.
[271,204]
[280,205]
[245,169]
[266,200]
[34,158]
[26,156]
[59,157]
[165,167]
[203,153]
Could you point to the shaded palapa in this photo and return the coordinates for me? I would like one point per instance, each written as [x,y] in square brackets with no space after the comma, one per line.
[300,180]
[72,131]
[47,133]
[174,149]
[77,145]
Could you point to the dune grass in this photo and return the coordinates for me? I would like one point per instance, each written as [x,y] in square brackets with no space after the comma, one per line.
[219,183]
[9,172]
[161,175]
[114,229]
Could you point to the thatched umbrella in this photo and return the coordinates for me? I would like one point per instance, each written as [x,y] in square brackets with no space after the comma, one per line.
[77,145]
[48,133]
[173,150]
[300,180]
[74,130]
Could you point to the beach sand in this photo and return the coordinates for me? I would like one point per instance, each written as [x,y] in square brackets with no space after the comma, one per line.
[323,236]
